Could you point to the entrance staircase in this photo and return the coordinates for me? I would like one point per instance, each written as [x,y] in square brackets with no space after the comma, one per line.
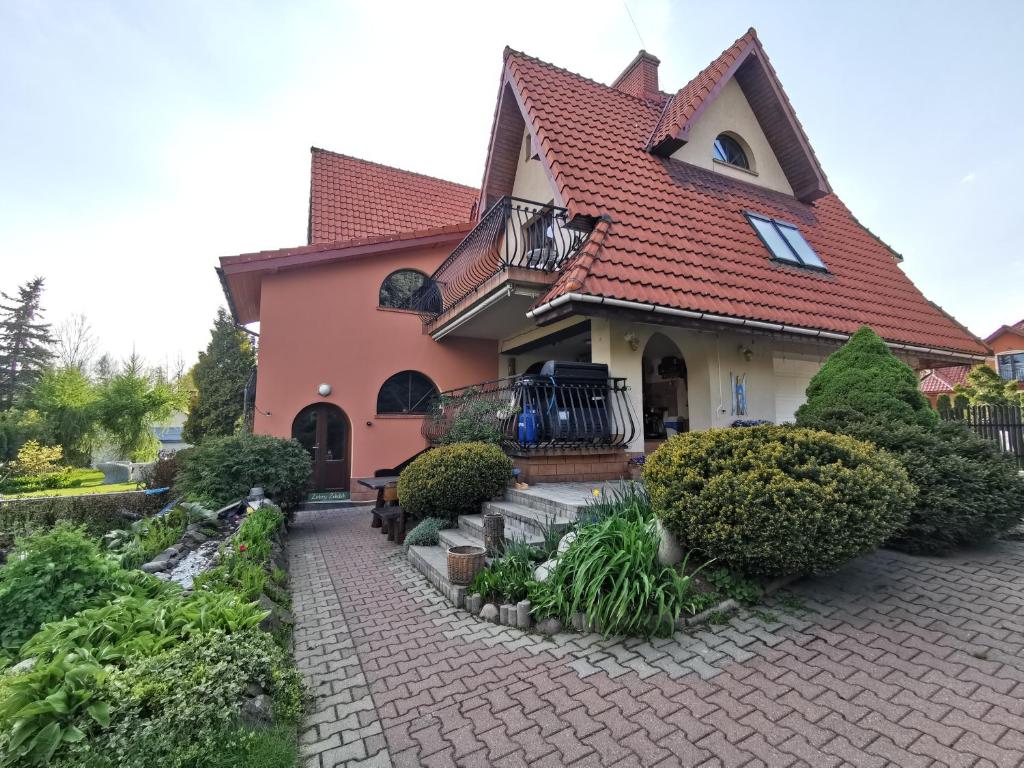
[529,513]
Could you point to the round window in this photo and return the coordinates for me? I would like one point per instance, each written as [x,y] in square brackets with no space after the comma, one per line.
[728,150]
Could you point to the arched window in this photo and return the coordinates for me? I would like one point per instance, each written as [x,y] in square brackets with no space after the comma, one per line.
[409,289]
[728,150]
[407,392]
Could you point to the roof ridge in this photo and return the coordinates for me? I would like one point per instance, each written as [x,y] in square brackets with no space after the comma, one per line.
[392,167]
[510,51]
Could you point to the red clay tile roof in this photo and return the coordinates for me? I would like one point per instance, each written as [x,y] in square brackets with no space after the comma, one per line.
[677,236]
[351,198]
[940,380]
[1017,328]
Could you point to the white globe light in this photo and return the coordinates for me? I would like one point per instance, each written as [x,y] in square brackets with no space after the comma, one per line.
[324,390]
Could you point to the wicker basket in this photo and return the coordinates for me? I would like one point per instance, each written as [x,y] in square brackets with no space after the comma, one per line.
[464,563]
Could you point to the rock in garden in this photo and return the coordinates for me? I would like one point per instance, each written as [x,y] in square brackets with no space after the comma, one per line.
[253,689]
[156,566]
[22,666]
[669,551]
[258,710]
[171,553]
[489,612]
[542,571]
[549,627]
[565,542]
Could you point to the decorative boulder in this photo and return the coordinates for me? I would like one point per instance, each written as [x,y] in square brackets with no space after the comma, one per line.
[258,710]
[669,551]
[551,626]
[542,571]
[565,542]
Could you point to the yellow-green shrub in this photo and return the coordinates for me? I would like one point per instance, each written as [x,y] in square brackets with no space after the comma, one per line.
[453,480]
[775,500]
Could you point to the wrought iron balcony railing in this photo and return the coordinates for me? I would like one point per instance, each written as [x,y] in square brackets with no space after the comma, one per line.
[529,413]
[513,233]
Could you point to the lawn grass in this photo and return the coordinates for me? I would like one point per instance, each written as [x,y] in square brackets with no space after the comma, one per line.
[87,481]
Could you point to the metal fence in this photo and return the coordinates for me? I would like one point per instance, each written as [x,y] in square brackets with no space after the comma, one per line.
[527,413]
[1002,424]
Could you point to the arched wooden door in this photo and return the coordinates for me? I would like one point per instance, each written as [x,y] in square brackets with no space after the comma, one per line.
[323,430]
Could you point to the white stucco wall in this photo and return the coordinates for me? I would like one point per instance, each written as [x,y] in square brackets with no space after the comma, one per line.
[730,112]
[532,182]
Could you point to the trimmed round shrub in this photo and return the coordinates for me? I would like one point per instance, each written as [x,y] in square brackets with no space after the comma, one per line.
[426,533]
[453,480]
[223,469]
[968,493]
[777,500]
[863,379]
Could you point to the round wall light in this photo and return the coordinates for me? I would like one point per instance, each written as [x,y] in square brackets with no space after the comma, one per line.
[324,390]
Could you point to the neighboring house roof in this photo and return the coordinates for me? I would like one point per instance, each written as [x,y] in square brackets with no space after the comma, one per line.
[351,198]
[676,236]
[1016,329]
[942,380]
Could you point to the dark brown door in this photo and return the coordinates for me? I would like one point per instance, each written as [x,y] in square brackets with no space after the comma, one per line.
[323,430]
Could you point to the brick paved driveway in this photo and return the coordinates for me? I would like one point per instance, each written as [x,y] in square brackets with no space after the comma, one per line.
[894,661]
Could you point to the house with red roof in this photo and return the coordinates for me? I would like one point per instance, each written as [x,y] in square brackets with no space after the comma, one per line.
[1007,344]
[636,262]
[936,382]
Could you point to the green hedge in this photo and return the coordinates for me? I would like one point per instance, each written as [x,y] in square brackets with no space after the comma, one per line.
[223,469]
[99,513]
[776,500]
[453,480]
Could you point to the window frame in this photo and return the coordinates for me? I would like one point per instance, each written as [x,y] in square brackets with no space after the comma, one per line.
[777,225]
[1009,353]
[380,289]
[743,148]
[407,413]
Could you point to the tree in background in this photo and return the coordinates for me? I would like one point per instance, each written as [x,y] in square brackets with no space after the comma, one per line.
[104,368]
[25,341]
[943,403]
[75,343]
[129,403]
[66,401]
[219,379]
[986,387]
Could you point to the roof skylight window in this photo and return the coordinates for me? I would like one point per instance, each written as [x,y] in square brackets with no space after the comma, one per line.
[785,242]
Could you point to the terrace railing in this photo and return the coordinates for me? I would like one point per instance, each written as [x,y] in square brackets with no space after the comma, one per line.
[513,233]
[529,413]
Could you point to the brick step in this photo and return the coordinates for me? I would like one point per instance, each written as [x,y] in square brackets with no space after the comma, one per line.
[432,562]
[514,529]
[530,519]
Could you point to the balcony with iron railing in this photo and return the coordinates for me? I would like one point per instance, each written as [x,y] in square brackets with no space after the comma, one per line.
[534,413]
[529,242]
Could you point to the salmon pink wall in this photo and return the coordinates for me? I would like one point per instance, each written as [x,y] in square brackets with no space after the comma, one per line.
[322,325]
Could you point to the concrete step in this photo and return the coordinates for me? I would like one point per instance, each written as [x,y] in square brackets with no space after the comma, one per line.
[561,499]
[432,562]
[514,529]
[529,518]
[460,537]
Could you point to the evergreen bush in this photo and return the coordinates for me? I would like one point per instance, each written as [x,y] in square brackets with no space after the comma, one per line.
[453,480]
[774,500]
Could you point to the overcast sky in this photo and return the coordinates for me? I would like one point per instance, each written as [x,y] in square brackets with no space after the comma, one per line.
[139,140]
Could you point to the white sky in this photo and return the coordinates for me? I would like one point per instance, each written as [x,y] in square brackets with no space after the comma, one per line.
[139,141]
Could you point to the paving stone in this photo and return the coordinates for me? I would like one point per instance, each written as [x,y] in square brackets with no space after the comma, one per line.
[882,669]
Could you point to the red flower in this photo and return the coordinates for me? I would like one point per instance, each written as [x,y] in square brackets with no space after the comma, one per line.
[242,547]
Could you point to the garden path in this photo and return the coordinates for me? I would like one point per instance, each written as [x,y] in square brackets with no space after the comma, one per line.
[895,660]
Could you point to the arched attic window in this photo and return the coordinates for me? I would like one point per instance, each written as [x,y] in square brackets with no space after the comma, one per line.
[407,392]
[409,289]
[729,150]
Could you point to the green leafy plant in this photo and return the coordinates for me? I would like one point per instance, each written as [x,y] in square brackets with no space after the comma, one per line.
[629,500]
[50,576]
[734,585]
[426,532]
[224,469]
[473,418]
[54,704]
[777,500]
[610,573]
[453,480]
[509,577]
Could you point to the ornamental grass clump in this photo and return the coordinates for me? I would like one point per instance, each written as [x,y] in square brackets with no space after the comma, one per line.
[777,500]
[610,573]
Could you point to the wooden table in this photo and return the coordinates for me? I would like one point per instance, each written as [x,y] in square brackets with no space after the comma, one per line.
[378,484]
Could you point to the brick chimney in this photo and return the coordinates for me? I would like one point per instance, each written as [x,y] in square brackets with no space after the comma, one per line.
[640,78]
